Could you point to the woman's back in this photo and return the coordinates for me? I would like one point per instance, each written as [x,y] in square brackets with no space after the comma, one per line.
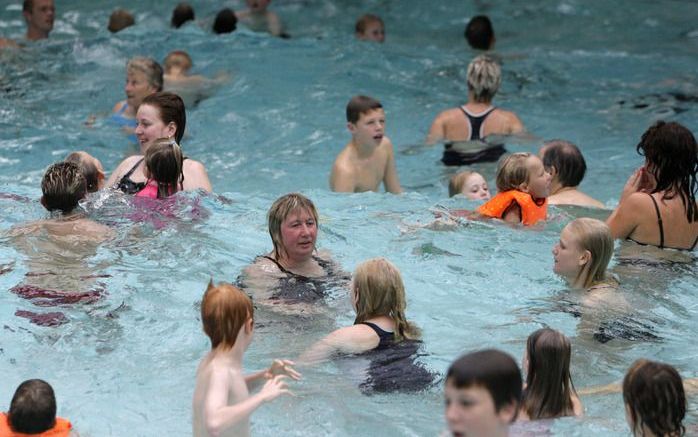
[662,222]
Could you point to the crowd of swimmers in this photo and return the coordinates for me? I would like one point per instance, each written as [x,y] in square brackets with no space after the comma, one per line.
[484,390]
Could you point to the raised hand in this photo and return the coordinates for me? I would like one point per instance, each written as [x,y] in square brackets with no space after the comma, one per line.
[274,388]
[282,367]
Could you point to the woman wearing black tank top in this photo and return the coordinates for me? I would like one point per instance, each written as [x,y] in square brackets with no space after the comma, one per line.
[658,204]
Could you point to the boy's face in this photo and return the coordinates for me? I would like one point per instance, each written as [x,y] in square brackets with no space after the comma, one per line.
[374,31]
[369,128]
[470,412]
[42,15]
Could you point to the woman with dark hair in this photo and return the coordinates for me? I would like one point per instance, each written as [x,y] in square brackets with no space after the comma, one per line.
[161,115]
[549,391]
[658,204]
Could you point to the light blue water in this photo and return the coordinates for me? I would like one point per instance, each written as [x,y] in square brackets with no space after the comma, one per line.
[125,364]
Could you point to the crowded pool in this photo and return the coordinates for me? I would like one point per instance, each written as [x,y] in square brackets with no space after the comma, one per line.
[123,359]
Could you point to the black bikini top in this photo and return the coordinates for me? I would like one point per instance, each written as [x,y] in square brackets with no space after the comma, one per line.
[127,185]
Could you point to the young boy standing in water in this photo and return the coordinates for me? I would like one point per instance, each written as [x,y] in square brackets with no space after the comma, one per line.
[222,402]
[368,159]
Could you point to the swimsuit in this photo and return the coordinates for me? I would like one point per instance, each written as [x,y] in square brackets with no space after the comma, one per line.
[660,223]
[121,120]
[150,190]
[531,212]
[385,338]
[488,153]
[295,288]
[127,185]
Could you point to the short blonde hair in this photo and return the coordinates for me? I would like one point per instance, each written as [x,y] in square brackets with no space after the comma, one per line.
[282,208]
[380,291]
[224,311]
[457,182]
[178,58]
[595,236]
[512,171]
[484,78]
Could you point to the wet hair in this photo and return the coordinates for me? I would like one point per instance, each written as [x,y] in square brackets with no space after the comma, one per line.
[171,109]
[479,32]
[549,386]
[484,78]
[512,171]
[63,186]
[595,236]
[33,407]
[671,151]
[494,370]
[89,170]
[567,160]
[149,67]
[359,105]
[654,396]
[363,22]
[182,13]
[457,182]
[379,291]
[225,22]
[177,58]
[280,210]
[163,161]
[120,19]
[224,311]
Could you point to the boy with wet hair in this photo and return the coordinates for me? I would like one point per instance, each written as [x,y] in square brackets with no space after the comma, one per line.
[225,22]
[222,402]
[483,394]
[91,169]
[63,186]
[479,33]
[368,159]
[39,15]
[182,13]
[33,411]
[370,28]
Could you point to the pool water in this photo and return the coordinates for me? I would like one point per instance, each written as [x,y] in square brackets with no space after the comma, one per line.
[123,363]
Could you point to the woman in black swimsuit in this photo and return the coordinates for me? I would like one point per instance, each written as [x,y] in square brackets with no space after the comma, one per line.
[658,204]
[160,115]
[293,272]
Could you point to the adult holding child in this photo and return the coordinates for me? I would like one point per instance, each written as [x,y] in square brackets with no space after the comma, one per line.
[658,204]
[465,128]
[160,115]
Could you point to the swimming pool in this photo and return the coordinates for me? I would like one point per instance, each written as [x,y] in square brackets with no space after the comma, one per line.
[592,72]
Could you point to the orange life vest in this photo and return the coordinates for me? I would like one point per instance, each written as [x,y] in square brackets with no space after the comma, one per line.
[531,212]
[60,429]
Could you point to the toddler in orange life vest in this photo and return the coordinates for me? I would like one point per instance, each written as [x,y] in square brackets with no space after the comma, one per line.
[33,412]
[523,185]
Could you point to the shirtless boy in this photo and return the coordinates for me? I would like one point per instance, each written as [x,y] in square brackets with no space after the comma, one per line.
[368,159]
[222,402]
[259,19]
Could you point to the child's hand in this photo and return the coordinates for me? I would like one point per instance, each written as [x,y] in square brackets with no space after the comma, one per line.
[282,367]
[274,388]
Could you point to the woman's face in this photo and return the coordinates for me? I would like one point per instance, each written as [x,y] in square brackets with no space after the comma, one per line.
[475,187]
[568,256]
[298,234]
[150,126]
[137,88]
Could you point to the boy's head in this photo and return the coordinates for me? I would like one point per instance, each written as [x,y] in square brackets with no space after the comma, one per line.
[479,33]
[370,28]
[120,19]
[225,310]
[178,60]
[366,120]
[63,186]
[33,407]
[525,172]
[484,78]
[182,13]
[483,393]
[90,167]
[564,161]
[226,21]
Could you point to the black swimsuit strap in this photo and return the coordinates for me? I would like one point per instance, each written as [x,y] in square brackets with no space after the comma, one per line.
[659,222]
[278,264]
[326,267]
[476,121]
[384,337]
[130,172]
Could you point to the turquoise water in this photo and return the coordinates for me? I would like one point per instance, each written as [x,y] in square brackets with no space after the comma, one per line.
[125,364]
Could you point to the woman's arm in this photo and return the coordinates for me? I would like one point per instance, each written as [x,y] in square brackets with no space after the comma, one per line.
[195,176]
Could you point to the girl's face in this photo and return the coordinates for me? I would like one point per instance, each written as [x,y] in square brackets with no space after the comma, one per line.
[298,234]
[568,256]
[150,126]
[538,184]
[475,188]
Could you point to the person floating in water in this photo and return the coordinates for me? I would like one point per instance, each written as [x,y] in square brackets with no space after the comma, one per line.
[465,128]
[370,28]
[39,16]
[192,88]
[470,184]
[222,403]
[258,18]
[479,33]
[368,159]
[565,163]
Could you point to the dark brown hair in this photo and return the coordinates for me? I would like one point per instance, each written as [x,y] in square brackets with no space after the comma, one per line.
[171,109]
[182,13]
[567,161]
[163,161]
[33,408]
[653,393]
[224,311]
[359,105]
[671,151]
[120,19]
[479,32]
[225,21]
[549,385]
[63,186]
